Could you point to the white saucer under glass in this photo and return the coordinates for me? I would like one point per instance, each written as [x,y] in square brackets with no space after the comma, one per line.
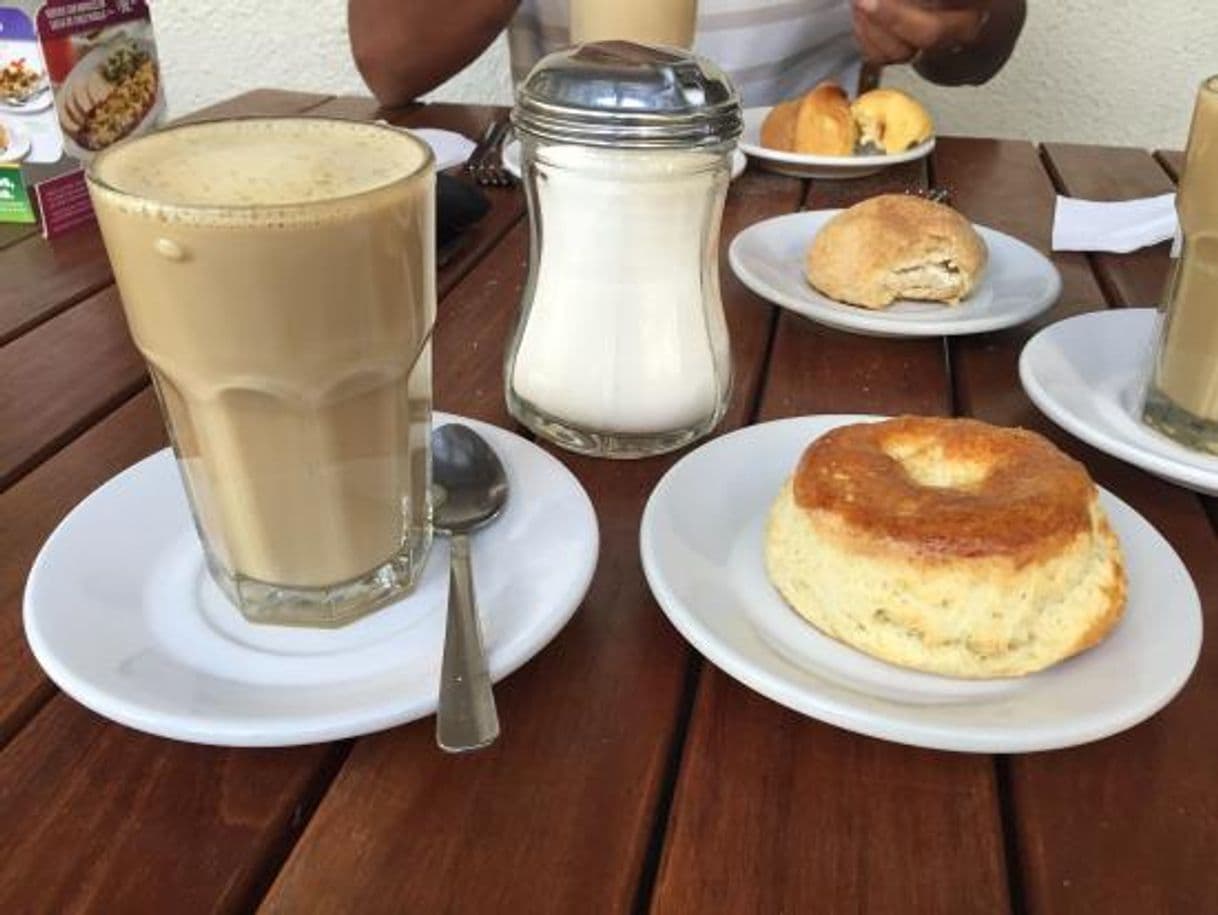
[123,617]
[1086,373]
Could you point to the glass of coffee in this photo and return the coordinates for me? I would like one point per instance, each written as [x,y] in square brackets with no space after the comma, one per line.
[1182,393]
[278,276]
[655,22]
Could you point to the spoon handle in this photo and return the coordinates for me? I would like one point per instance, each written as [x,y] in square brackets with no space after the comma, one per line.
[466,718]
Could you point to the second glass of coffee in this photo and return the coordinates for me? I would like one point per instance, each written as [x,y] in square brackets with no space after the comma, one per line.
[278,276]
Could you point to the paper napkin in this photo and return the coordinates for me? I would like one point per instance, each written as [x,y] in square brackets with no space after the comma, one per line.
[1120,227]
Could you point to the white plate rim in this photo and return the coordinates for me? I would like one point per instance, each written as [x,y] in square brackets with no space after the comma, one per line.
[885,323]
[20,144]
[317,730]
[1162,465]
[847,715]
[754,116]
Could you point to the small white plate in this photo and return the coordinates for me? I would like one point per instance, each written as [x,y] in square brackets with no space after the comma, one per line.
[802,165]
[701,542]
[41,100]
[1086,373]
[18,146]
[1019,283]
[121,614]
[511,159]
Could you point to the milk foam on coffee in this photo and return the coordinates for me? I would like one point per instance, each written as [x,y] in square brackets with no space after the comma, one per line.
[277,277]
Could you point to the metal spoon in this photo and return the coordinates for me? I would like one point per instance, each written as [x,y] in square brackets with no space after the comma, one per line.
[469,488]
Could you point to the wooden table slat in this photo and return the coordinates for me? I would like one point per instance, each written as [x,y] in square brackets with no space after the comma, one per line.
[1120,825]
[61,377]
[42,279]
[102,819]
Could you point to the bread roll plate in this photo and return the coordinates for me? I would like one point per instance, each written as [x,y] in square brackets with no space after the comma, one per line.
[704,561]
[801,165]
[1018,284]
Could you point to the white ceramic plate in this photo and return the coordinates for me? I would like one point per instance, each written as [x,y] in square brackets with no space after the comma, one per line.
[1019,283]
[802,165]
[511,159]
[18,146]
[1086,374]
[121,614]
[701,543]
[41,100]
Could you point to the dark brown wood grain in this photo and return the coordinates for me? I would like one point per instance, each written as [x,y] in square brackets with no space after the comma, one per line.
[1096,173]
[1127,824]
[479,834]
[98,818]
[12,232]
[776,812]
[1120,825]
[61,377]
[30,510]
[43,278]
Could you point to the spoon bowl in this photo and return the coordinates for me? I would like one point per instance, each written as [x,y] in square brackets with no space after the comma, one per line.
[470,488]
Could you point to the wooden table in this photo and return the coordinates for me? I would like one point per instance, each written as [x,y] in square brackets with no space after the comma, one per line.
[631,774]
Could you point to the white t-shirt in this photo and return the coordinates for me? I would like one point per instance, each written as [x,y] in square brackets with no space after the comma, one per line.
[772,49]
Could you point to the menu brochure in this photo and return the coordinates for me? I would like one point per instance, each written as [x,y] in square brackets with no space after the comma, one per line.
[75,77]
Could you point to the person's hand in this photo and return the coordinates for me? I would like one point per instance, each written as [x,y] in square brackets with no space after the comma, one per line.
[897,31]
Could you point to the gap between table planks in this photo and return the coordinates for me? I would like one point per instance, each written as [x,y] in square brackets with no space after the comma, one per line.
[775,812]
[179,815]
[1128,824]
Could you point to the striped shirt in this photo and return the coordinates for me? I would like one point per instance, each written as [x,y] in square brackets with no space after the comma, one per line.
[772,49]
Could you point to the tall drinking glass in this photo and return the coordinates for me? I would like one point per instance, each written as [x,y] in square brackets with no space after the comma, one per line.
[278,276]
[1182,393]
[655,22]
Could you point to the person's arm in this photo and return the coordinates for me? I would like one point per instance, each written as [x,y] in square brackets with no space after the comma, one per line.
[404,48]
[950,42]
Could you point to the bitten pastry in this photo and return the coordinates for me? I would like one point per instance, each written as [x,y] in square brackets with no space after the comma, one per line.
[896,246]
[891,121]
[824,125]
[948,546]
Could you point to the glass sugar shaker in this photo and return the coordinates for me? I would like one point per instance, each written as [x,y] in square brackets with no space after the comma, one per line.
[621,347]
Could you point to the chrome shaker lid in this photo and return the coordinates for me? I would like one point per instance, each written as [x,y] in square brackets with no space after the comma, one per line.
[618,93]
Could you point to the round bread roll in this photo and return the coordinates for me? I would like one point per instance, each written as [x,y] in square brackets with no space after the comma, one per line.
[948,546]
[896,246]
[778,128]
[824,125]
[891,121]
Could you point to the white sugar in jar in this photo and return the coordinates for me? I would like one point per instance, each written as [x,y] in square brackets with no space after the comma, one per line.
[621,348]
